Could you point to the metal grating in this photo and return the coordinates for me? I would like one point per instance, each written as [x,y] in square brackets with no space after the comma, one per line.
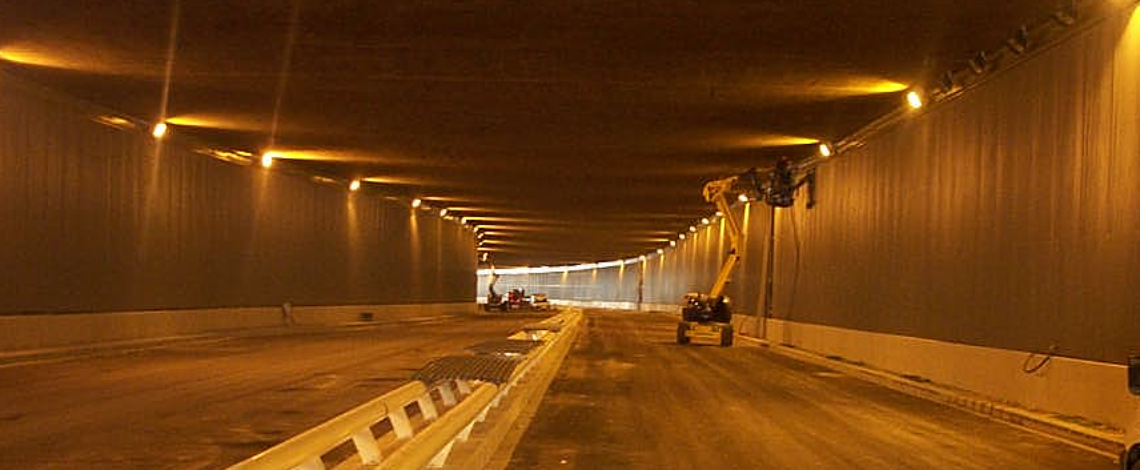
[486,368]
[505,346]
[548,326]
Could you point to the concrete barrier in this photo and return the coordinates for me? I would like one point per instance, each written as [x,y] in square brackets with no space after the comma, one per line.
[31,332]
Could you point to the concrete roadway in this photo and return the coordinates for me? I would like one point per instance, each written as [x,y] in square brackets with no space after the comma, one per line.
[209,403]
[629,397]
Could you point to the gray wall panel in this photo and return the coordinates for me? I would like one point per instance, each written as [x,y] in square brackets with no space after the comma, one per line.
[96,218]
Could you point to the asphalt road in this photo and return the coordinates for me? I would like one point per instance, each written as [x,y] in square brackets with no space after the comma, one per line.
[629,397]
[211,402]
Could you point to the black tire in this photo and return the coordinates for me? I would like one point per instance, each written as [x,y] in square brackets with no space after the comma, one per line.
[682,333]
[726,336]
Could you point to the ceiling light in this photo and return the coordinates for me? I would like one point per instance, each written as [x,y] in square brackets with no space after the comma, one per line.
[159,130]
[462,220]
[704,220]
[980,62]
[1020,41]
[681,236]
[443,212]
[672,242]
[742,198]
[417,202]
[719,213]
[484,256]
[642,257]
[914,100]
[480,235]
[267,159]
[824,150]
[692,228]
[660,251]
[354,185]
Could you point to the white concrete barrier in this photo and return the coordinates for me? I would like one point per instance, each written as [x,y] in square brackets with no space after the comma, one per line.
[425,441]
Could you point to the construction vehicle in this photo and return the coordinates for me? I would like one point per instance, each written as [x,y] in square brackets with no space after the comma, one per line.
[494,299]
[709,316]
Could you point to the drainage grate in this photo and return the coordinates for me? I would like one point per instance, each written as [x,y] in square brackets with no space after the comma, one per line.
[505,346]
[486,368]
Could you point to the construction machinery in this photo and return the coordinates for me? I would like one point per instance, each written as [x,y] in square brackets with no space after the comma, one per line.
[494,299]
[709,316]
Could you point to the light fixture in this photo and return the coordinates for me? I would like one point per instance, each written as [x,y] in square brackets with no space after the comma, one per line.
[824,150]
[672,242]
[159,130]
[417,202]
[719,214]
[642,258]
[354,185]
[480,235]
[484,256]
[681,236]
[443,212]
[693,228]
[463,220]
[660,251]
[742,198]
[914,100]
[704,220]
[267,159]
[980,62]
[1020,41]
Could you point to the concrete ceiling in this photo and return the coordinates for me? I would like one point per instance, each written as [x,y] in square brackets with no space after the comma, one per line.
[574,130]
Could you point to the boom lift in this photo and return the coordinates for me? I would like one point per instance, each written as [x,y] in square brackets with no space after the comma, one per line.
[708,316]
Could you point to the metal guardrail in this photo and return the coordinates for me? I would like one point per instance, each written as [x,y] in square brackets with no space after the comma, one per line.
[408,449]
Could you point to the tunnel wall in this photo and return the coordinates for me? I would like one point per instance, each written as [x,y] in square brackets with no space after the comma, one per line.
[1005,218]
[971,241]
[95,218]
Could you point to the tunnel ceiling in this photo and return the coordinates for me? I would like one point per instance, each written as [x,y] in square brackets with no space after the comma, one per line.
[571,130]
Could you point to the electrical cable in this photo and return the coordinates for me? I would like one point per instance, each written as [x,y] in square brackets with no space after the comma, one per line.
[1048,357]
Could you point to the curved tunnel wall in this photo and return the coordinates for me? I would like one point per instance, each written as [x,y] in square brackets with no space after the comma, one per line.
[1005,218]
[93,219]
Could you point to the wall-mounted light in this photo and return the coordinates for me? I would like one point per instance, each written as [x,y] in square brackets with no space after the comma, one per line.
[704,220]
[660,251]
[443,212]
[159,130]
[824,150]
[742,198]
[672,242]
[1019,43]
[354,185]
[417,202]
[484,256]
[267,159]
[641,258]
[980,62]
[681,236]
[693,228]
[914,99]
[463,220]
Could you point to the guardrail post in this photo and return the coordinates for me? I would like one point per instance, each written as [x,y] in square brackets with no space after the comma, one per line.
[366,446]
[314,463]
[400,423]
[463,386]
[427,407]
[446,393]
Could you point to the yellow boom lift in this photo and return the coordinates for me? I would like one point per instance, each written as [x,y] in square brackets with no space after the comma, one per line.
[708,316]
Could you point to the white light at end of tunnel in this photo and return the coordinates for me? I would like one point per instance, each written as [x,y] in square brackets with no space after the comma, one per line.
[417,202]
[914,99]
[354,185]
[159,130]
[824,150]
[267,159]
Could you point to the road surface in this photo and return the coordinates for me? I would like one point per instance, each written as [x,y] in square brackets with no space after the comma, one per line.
[628,397]
[212,402]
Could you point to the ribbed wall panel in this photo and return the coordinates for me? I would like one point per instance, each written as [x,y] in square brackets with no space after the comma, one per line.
[95,218]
